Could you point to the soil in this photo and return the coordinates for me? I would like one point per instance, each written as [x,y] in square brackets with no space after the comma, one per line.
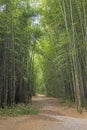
[54,115]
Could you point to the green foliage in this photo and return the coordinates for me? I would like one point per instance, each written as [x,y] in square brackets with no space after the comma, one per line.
[39,80]
[20,109]
[63,49]
[50,57]
[16,52]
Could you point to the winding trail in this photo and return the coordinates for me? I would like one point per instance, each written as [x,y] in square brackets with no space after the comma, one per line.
[52,116]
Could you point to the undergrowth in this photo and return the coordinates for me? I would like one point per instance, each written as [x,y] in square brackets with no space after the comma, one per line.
[67,102]
[20,109]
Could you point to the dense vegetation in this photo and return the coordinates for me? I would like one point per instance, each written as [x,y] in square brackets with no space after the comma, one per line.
[19,109]
[16,52]
[48,57]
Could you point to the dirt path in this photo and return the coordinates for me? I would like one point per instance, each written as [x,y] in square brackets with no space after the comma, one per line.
[53,116]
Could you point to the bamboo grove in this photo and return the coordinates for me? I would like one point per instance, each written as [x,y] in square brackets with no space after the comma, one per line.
[64,49]
[16,52]
[53,53]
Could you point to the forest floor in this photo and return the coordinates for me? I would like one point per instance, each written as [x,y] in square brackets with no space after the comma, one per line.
[53,115]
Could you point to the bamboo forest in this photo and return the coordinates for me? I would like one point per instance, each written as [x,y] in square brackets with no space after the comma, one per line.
[43,49]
